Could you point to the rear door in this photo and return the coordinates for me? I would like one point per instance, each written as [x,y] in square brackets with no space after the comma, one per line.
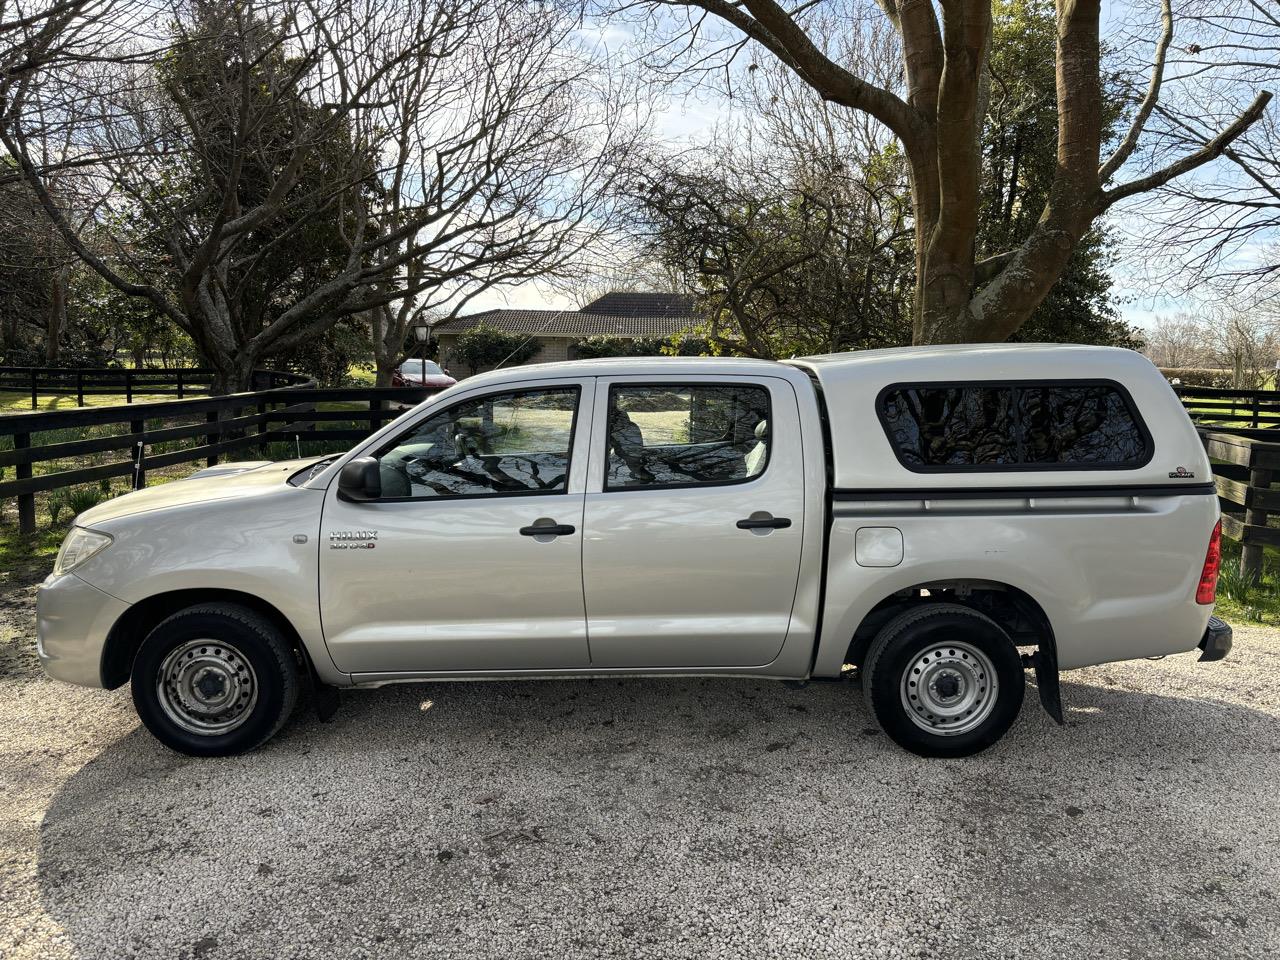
[693,521]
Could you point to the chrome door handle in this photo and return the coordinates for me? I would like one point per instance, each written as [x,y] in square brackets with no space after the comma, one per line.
[548,530]
[764,523]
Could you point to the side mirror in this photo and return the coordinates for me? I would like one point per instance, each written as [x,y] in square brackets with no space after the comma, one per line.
[360,480]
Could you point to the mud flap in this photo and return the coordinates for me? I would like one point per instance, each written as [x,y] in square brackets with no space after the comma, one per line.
[1045,661]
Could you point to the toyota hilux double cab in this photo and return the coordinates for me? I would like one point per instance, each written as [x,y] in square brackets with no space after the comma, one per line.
[933,522]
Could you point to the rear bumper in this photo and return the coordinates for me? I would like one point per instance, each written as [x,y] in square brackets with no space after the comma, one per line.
[1216,642]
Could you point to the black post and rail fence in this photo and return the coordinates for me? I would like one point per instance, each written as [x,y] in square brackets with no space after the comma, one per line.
[240,423]
[1239,431]
[81,382]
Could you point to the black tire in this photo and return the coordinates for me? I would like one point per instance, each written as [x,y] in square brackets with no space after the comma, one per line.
[253,665]
[898,651]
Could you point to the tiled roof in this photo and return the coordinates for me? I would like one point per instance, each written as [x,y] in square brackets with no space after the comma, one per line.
[642,305]
[572,323]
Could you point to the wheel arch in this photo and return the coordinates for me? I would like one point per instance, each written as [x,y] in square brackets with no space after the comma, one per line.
[127,633]
[1015,610]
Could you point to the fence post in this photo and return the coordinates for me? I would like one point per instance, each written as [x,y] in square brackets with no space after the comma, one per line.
[35,391]
[179,383]
[1256,404]
[138,428]
[26,501]
[1251,554]
[79,386]
[262,428]
[213,436]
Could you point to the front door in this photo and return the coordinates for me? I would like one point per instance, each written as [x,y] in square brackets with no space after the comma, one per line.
[472,559]
[694,521]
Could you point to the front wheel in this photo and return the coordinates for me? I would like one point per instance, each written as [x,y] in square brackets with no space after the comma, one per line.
[944,680]
[214,680]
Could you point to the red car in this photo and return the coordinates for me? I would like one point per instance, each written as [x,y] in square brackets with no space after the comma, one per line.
[422,373]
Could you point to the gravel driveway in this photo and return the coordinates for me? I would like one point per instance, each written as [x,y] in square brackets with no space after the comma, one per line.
[648,819]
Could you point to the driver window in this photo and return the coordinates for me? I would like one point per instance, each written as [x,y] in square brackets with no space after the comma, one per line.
[502,443]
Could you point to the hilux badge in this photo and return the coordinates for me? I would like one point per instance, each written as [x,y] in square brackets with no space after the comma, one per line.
[353,539]
[1182,473]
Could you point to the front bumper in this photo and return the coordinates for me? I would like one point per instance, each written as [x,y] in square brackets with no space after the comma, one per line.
[73,619]
[1216,642]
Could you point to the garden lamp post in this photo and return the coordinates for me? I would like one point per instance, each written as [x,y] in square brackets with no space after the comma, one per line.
[422,332]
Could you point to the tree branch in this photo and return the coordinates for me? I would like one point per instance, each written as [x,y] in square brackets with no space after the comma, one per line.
[1209,151]
[775,29]
[1130,141]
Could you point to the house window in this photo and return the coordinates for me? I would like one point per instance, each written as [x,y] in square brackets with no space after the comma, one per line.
[1014,426]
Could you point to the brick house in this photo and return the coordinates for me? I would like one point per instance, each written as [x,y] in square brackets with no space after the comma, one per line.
[630,315]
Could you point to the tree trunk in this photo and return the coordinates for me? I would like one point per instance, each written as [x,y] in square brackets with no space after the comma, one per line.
[57,313]
[388,340]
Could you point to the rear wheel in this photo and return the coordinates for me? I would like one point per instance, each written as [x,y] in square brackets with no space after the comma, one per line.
[214,680]
[944,680]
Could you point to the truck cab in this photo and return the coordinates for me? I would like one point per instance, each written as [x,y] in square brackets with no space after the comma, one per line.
[959,512]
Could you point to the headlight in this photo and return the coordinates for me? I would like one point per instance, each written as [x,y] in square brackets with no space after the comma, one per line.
[80,545]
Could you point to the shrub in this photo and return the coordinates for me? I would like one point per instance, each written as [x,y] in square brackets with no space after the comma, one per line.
[677,345]
[80,499]
[56,504]
[485,346]
[1199,376]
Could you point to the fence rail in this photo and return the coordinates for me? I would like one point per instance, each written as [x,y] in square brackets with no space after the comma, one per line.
[1244,469]
[83,382]
[1230,408]
[219,425]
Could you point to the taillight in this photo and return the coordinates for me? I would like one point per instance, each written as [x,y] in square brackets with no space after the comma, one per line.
[1208,588]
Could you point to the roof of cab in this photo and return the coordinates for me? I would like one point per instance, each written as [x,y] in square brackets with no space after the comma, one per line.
[634,366]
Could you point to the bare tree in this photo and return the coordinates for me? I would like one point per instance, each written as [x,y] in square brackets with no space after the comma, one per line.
[1217,228]
[277,165]
[518,186]
[785,258]
[934,106]
[1178,340]
[1247,343]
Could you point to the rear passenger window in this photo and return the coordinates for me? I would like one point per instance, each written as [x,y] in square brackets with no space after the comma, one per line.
[674,435]
[1023,426]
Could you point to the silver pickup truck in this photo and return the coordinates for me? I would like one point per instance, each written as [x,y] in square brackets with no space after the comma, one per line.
[933,522]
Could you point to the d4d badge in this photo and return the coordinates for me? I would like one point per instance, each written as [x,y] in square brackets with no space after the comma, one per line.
[1182,473]
[353,539]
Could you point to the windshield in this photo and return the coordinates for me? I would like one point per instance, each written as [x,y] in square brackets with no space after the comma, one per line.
[421,368]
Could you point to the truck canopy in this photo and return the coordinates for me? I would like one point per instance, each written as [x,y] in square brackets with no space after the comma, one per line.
[992,417]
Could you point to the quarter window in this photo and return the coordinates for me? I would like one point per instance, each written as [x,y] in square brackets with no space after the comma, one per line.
[508,443]
[1013,426]
[676,435]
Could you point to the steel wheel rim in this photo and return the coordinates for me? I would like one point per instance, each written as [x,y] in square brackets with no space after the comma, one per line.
[949,689]
[207,687]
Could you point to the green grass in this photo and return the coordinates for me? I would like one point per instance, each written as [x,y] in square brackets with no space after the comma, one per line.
[34,554]
[1241,599]
[21,402]
[362,375]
